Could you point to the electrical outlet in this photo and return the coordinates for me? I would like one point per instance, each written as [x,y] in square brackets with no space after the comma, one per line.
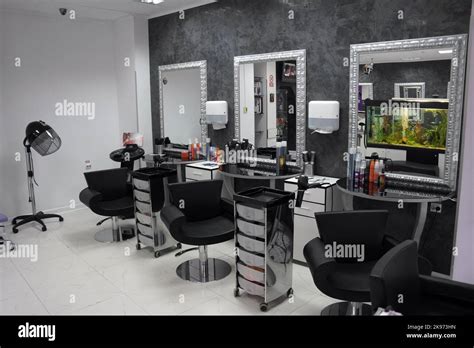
[88,165]
[436,207]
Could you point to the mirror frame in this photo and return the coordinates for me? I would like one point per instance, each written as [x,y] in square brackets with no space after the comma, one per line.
[202,66]
[300,57]
[396,91]
[458,43]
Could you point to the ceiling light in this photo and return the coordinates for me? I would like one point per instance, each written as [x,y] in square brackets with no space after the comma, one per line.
[153,2]
[445,51]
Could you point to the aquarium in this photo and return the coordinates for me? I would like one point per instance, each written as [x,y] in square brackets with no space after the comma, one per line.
[406,124]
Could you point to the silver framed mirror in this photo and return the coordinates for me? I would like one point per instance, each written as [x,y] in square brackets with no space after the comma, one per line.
[409,90]
[456,47]
[300,57]
[200,90]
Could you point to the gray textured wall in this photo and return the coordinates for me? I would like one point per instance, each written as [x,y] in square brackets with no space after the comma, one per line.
[435,74]
[228,28]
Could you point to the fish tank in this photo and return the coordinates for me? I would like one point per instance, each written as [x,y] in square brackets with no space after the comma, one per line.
[407,124]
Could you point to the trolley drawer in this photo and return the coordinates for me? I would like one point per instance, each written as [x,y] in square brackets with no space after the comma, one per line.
[251,273]
[144,219]
[251,288]
[144,208]
[251,229]
[251,244]
[141,184]
[145,230]
[251,214]
[251,259]
[142,196]
[147,240]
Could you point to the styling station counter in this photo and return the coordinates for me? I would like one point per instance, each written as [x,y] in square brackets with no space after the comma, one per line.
[230,172]
[315,200]
[396,195]
[264,243]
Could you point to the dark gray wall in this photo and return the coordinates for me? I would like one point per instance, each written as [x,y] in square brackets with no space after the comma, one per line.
[228,28]
[435,74]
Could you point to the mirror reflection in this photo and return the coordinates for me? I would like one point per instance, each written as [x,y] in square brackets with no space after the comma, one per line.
[403,109]
[268,104]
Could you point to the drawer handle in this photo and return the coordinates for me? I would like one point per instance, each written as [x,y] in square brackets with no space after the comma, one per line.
[305,208]
[197,173]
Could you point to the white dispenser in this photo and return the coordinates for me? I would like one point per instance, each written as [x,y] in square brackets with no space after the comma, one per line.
[217,113]
[323,116]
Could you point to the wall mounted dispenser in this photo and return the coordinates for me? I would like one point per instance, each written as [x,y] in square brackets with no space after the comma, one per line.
[323,116]
[217,113]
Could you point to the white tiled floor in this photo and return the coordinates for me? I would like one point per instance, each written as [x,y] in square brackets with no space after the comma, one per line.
[74,274]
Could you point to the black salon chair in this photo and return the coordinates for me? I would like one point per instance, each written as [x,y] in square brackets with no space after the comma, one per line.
[198,216]
[109,194]
[340,276]
[395,281]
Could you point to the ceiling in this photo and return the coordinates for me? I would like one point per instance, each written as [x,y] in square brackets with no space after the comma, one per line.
[404,56]
[101,9]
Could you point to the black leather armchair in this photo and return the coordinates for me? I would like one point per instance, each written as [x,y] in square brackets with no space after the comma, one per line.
[395,281]
[198,216]
[109,194]
[342,275]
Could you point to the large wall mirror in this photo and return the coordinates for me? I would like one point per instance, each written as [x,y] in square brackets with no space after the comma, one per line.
[414,113]
[183,96]
[270,100]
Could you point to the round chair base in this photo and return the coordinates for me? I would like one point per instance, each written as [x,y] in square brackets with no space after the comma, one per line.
[346,308]
[107,236]
[216,270]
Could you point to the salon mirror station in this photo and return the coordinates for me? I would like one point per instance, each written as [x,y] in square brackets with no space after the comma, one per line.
[406,102]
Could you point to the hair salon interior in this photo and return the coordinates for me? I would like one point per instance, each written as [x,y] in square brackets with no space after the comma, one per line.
[236,157]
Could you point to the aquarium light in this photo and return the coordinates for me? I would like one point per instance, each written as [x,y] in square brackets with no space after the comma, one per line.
[445,51]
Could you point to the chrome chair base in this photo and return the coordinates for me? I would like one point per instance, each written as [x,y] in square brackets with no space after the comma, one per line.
[347,309]
[204,269]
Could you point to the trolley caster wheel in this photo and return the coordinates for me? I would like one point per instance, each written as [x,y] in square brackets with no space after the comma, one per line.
[263,307]
[157,254]
[289,293]
[236,292]
[179,246]
[15,230]
[43,229]
[138,246]
[61,219]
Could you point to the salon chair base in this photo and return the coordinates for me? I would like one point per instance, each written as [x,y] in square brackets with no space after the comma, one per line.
[347,309]
[203,269]
[116,234]
[213,269]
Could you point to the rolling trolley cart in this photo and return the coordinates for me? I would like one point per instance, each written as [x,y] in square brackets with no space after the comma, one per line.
[150,192]
[264,243]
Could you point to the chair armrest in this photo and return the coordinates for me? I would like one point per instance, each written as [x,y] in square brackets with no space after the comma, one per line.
[447,288]
[90,197]
[227,209]
[319,264]
[424,266]
[172,217]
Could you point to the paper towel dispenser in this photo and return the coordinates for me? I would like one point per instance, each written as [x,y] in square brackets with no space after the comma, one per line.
[216,112]
[323,116]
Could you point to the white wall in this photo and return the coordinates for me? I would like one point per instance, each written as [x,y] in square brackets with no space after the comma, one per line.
[247,103]
[463,268]
[142,69]
[61,59]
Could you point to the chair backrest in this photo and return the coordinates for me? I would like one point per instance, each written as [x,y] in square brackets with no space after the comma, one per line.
[353,229]
[198,200]
[112,183]
[394,280]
